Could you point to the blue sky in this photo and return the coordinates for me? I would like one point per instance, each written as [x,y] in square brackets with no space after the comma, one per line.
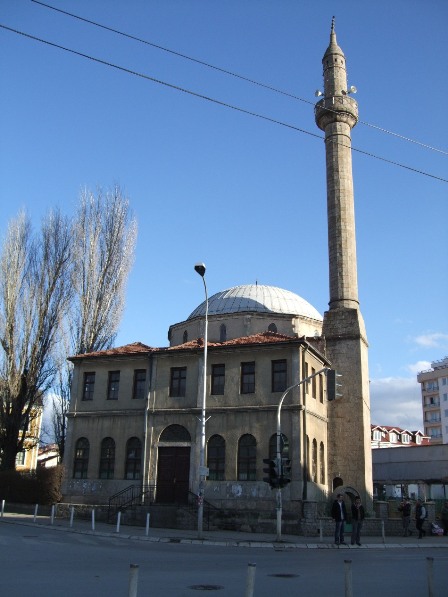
[243,194]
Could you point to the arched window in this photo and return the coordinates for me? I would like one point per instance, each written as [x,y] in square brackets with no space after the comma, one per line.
[175,433]
[314,462]
[222,333]
[337,482]
[322,462]
[247,458]
[185,339]
[107,458]
[81,461]
[133,459]
[272,327]
[216,458]
[284,446]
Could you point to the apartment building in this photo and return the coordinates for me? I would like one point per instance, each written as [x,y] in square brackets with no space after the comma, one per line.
[434,388]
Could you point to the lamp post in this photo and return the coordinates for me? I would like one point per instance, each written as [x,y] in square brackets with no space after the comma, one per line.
[200,269]
[279,446]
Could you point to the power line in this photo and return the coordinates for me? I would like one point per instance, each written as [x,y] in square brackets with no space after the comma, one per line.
[228,72]
[210,99]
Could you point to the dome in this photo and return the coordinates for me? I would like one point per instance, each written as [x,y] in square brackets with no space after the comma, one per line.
[258,298]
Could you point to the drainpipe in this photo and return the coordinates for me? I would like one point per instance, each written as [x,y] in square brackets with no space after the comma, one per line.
[304,443]
[145,428]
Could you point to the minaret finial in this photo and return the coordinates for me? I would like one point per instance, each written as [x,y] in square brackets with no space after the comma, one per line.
[333,32]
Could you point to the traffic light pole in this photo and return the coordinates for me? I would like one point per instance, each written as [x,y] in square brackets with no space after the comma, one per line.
[279,447]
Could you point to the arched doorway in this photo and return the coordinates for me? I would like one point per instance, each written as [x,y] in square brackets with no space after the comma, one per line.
[173,465]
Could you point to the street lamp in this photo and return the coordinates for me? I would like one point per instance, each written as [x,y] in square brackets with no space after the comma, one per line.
[279,507]
[200,269]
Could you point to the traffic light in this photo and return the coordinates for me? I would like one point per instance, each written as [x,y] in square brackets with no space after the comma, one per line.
[333,387]
[285,477]
[272,471]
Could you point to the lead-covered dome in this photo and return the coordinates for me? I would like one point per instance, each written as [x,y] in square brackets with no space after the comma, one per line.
[257,298]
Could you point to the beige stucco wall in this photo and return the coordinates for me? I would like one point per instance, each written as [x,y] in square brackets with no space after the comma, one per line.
[231,416]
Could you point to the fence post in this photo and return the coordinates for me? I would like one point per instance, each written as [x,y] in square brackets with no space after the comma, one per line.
[430,573]
[52,515]
[148,516]
[117,530]
[3,507]
[321,531]
[250,581]
[348,578]
[36,508]
[133,580]
[383,533]
[72,513]
[93,519]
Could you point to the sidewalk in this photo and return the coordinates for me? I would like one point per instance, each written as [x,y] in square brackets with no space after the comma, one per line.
[220,538]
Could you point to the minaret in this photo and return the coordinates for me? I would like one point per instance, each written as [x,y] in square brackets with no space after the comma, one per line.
[349,451]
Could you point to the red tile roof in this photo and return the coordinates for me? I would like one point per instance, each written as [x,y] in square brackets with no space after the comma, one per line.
[387,429]
[139,348]
[263,338]
[128,349]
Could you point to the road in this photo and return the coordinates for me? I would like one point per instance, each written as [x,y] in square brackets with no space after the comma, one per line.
[40,561]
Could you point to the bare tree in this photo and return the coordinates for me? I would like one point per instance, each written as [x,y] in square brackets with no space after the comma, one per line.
[104,236]
[104,243]
[35,295]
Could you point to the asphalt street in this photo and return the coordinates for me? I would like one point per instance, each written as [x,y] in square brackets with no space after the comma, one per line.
[43,560]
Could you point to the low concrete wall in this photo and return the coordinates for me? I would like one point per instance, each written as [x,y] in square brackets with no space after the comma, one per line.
[310,522]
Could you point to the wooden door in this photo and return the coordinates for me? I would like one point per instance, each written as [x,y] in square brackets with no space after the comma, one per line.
[173,472]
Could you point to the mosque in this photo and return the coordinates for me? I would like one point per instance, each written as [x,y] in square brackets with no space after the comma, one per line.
[135,410]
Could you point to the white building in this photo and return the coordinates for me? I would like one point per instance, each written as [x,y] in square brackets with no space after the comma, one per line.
[434,388]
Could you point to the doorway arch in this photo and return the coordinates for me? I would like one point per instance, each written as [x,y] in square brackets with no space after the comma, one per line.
[173,465]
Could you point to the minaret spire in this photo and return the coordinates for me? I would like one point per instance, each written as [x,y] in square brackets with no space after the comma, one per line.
[333,32]
[337,114]
[343,328]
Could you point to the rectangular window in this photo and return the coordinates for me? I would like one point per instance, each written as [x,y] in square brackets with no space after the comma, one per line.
[178,382]
[377,435]
[89,386]
[444,381]
[405,438]
[218,379]
[248,378]
[321,388]
[113,385]
[307,384]
[445,397]
[279,375]
[446,412]
[20,458]
[313,384]
[138,391]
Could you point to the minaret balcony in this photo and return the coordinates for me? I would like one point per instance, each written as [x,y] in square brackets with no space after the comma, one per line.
[337,108]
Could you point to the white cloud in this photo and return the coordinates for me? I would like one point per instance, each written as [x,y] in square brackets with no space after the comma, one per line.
[396,401]
[418,366]
[434,340]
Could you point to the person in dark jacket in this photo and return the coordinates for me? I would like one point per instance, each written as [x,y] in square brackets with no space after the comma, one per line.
[339,514]
[444,518]
[420,515]
[357,520]
[405,509]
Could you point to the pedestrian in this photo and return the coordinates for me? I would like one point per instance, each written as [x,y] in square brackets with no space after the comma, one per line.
[420,515]
[444,518]
[357,520]
[339,514]
[405,509]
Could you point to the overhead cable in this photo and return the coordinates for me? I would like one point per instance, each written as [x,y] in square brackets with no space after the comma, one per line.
[210,99]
